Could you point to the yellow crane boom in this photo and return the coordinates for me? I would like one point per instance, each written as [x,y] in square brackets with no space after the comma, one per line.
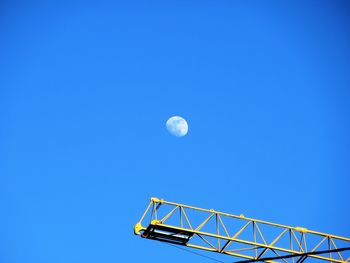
[238,236]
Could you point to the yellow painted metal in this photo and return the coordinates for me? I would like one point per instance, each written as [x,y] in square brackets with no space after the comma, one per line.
[283,242]
[137,228]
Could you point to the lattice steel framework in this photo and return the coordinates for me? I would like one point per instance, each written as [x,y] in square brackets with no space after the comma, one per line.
[238,236]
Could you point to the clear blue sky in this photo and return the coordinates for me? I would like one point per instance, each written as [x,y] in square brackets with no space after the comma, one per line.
[86,89]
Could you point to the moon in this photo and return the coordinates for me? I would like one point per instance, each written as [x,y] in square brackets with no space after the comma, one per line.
[177,126]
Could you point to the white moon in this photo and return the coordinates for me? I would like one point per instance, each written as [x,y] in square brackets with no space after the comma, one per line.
[177,126]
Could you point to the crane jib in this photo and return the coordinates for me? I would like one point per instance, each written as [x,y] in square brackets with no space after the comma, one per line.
[238,236]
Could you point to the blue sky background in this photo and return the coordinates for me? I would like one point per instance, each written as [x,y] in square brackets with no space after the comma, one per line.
[86,89]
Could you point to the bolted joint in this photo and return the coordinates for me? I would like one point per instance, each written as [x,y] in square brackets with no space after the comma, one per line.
[137,228]
[156,222]
[155,200]
[301,229]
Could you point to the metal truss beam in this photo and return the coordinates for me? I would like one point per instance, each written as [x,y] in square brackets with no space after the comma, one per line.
[251,239]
